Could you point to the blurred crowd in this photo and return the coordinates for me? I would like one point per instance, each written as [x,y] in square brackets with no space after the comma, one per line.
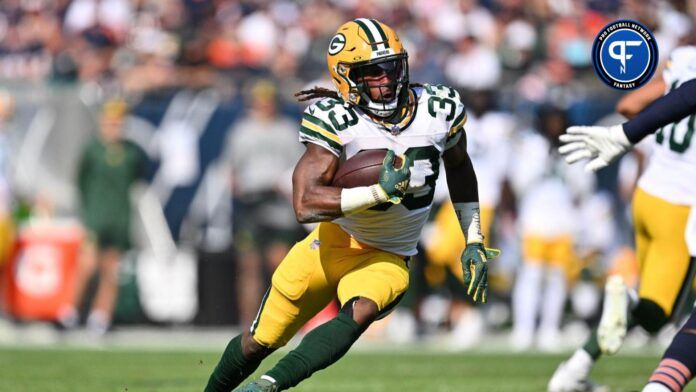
[537,49]
[212,123]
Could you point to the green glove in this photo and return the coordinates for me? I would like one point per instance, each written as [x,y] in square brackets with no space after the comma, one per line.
[475,266]
[394,181]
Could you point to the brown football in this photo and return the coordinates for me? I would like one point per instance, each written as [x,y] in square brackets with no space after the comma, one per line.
[362,169]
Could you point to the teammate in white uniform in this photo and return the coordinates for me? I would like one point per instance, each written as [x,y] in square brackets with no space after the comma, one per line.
[359,252]
[662,204]
[489,138]
[548,191]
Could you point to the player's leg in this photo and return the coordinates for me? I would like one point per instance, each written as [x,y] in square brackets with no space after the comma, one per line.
[561,257]
[527,292]
[101,314]
[367,292]
[665,277]
[616,319]
[678,365]
[87,263]
[572,375]
[299,290]
[666,271]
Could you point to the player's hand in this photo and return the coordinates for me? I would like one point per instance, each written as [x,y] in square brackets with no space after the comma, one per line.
[601,145]
[475,267]
[394,181]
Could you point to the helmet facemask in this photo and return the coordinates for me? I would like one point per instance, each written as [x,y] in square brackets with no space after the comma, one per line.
[386,79]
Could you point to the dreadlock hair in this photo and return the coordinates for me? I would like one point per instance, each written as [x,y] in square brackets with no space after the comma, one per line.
[316,93]
[321,92]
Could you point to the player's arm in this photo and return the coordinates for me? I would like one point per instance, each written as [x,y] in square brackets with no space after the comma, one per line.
[634,102]
[461,178]
[676,105]
[463,188]
[603,145]
[315,200]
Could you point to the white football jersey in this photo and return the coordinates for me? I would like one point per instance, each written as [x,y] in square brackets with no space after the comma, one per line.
[488,140]
[690,234]
[435,125]
[671,172]
[547,187]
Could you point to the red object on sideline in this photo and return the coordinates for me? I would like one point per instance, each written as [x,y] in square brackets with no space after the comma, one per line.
[40,277]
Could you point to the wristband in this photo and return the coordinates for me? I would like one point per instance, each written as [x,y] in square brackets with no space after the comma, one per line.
[363,197]
[470,221]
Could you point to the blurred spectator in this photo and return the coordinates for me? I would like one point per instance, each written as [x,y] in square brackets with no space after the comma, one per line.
[108,168]
[457,19]
[473,66]
[114,15]
[263,149]
[517,45]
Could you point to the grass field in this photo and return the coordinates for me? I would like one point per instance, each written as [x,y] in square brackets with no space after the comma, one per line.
[72,370]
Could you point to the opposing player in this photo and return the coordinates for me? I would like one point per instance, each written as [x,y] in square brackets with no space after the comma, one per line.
[359,252]
[662,204]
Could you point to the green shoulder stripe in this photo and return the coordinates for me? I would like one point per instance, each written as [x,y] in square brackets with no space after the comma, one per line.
[318,122]
[317,128]
[458,122]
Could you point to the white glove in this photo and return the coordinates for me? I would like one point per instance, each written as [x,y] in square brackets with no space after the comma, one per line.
[601,145]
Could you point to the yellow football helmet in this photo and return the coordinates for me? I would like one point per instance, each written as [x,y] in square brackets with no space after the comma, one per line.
[365,47]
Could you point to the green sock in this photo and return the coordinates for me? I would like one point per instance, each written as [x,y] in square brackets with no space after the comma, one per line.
[320,348]
[592,346]
[232,369]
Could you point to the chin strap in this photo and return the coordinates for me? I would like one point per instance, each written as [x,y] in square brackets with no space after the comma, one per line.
[400,117]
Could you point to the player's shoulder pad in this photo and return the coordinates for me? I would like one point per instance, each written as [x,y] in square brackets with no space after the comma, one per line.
[442,91]
[319,112]
[317,125]
[337,115]
[325,106]
[444,101]
[683,59]
[686,52]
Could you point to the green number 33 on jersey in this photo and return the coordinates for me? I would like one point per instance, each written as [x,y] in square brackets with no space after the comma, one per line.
[441,100]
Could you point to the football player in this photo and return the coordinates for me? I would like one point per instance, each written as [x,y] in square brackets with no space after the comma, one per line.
[661,208]
[359,251]
[548,191]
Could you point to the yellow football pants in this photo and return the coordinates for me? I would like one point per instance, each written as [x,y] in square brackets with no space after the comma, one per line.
[327,264]
[553,252]
[663,258]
